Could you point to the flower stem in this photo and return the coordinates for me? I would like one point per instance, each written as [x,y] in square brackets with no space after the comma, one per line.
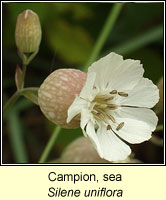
[16,95]
[17,137]
[49,145]
[12,99]
[23,75]
[113,15]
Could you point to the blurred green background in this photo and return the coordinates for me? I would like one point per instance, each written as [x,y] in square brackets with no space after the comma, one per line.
[69,32]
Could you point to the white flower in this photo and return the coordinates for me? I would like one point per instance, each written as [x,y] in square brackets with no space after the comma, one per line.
[114,105]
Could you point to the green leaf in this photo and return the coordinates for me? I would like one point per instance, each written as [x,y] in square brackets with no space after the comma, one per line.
[77,11]
[137,42]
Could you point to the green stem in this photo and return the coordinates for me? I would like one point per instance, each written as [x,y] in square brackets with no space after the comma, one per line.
[17,138]
[12,99]
[113,15]
[49,145]
[16,95]
[30,58]
[23,75]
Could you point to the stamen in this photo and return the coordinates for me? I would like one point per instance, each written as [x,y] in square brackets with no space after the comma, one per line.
[111,118]
[103,98]
[101,116]
[120,126]
[94,112]
[112,106]
[84,99]
[113,92]
[109,127]
[99,110]
[101,105]
[123,94]
[110,98]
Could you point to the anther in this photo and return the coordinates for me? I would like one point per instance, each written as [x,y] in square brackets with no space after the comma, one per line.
[113,92]
[112,106]
[109,127]
[123,94]
[120,126]
[94,112]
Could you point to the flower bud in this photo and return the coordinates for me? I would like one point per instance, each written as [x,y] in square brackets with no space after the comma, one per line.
[28,32]
[57,93]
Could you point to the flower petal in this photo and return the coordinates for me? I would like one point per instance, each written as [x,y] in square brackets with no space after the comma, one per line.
[90,130]
[113,149]
[85,118]
[88,91]
[103,68]
[108,146]
[138,124]
[144,94]
[115,73]
[84,99]
[75,108]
